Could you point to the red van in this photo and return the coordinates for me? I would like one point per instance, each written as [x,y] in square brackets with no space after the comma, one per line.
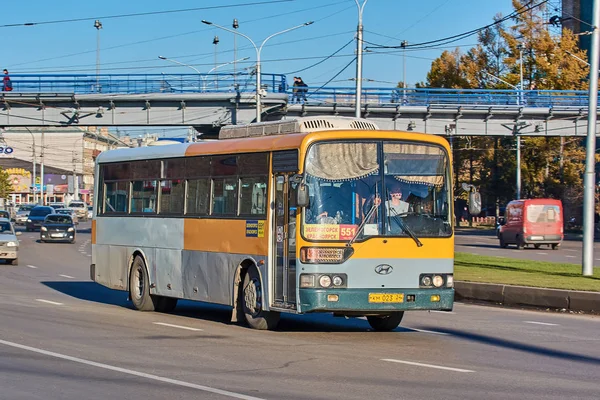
[532,221]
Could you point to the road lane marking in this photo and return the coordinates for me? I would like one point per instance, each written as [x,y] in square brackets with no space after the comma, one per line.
[131,372]
[32,266]
[49,302]
[543,254]
[426,331]
[572,250]
[540,323]
[177,326]
[570,256]
[426,365]
[67,276]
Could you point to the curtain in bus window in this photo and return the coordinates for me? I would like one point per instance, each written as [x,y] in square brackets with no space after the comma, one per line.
[144,197]
[253,195]
[171,196]
[342,161]
[116,199]
[197,196]
[116,171]
[224,196]
[415,163]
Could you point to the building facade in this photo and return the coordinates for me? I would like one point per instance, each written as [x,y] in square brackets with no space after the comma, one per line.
[68,155]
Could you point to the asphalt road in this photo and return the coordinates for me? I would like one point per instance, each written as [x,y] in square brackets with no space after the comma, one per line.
[64,337]
[484,242]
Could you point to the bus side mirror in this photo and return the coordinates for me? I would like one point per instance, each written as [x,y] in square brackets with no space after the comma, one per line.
[474,203]
[302,195]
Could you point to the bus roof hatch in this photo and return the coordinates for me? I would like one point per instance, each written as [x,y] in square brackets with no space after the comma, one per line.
[300,125]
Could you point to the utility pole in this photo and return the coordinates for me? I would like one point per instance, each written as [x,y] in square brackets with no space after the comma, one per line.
[403,45]
[589,179]
[359,57]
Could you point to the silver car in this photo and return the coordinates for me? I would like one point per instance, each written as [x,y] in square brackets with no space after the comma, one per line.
[9,244]
[23,214]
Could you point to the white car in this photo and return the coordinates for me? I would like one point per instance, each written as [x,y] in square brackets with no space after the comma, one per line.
[81,209]
[9,244]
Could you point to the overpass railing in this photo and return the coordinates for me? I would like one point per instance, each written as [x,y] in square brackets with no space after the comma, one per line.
[392,97]
[276,83]
[145,83]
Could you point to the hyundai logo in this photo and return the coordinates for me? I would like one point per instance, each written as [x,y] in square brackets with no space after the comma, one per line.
[384,269]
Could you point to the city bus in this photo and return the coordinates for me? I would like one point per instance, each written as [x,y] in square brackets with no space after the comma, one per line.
[295,216]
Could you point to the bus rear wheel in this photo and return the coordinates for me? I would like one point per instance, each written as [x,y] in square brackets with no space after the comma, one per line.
[139,286]
[253,301]
[385,323]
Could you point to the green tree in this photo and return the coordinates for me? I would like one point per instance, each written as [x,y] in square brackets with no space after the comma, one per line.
[5,184]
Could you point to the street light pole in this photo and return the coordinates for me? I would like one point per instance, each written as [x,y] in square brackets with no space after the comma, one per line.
[403,45]
[98,26]
[34,166]
[216,43]
[520,48]
[235,25]
[258,51]
[359,56]
[589,178]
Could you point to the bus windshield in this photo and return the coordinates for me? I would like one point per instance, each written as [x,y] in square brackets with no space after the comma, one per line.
[385,188]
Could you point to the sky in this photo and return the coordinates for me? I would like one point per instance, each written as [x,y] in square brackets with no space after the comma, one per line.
[132,44]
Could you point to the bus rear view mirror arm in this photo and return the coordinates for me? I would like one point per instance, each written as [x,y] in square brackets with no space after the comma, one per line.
[302,195]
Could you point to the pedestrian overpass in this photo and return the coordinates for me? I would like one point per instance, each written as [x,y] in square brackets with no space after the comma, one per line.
[210,101]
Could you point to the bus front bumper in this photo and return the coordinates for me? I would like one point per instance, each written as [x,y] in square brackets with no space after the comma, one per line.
[357,300]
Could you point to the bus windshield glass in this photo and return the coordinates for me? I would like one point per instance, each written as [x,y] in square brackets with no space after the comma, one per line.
[384,188]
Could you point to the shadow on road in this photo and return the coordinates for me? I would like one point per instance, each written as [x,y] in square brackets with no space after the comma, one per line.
[90,291]
[513,345]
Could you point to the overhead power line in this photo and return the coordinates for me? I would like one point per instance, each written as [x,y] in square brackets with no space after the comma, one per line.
[63,21]
[460,36]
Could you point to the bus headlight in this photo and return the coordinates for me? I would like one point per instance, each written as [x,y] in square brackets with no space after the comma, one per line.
[336,281]
[325,281]
[450,281]
[325,255]
[433,280]
[438,281]
[426,280]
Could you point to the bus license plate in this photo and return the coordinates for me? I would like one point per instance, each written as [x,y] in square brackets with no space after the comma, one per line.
[386,297]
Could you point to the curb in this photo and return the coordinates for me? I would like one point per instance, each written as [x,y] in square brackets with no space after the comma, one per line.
[528,296]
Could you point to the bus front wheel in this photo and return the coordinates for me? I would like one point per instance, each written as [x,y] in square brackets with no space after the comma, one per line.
[253,301]
[139,286]
[385,322]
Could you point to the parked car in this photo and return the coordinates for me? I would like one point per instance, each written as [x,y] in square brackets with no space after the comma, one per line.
[69,211]
[57,228]
[23,213]
[9,244]
[81,209]
[37,216]
[532,221]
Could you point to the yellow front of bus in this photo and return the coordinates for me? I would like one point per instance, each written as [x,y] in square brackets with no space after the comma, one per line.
[376,235]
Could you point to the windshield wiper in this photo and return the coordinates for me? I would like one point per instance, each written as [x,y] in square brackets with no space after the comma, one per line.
[405,228]
[362,224]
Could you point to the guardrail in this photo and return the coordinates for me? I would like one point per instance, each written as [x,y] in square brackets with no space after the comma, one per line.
[145,83]
[276,83]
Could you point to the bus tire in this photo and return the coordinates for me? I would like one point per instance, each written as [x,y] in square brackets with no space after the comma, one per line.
[139,286]
[385,323]
[164,304]
[502,242]
[252,303]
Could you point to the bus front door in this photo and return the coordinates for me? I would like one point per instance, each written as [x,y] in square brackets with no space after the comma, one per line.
[284,237]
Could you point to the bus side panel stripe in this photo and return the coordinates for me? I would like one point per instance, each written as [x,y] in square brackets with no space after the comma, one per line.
[226,236]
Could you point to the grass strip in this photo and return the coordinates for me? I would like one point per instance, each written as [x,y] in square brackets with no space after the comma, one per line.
[509,271]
